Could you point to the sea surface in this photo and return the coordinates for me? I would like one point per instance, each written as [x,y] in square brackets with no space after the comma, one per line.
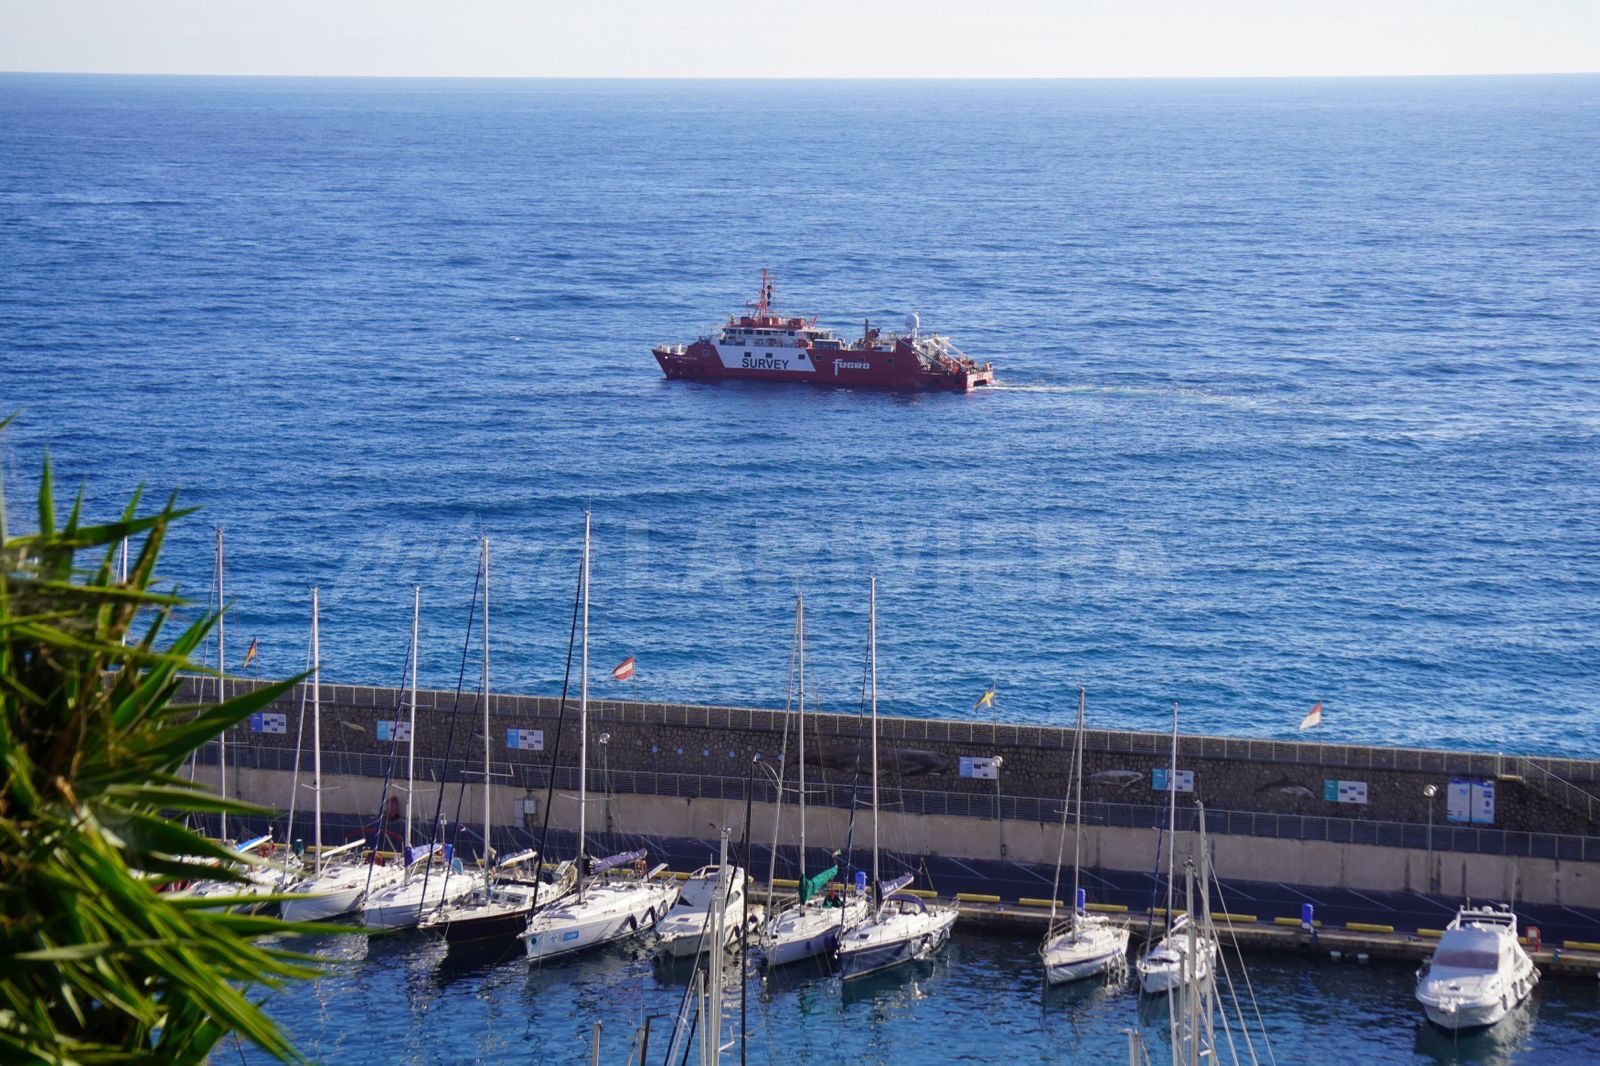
[1298,401]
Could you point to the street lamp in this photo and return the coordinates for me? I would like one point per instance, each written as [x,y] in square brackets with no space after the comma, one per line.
[999,818]
[1428,792]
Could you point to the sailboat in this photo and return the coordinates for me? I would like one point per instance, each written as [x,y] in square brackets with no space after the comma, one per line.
[335,889]
[601,909]
[1168,964]
[905,928]
[260,879]
[1085,944]
[426,889]
[497,908]
[813,926]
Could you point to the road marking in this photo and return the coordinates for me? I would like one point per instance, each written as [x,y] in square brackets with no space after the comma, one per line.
[1035,873]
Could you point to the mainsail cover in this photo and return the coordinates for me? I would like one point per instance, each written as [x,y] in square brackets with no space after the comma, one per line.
[889,888]
[612,861]
[810,886]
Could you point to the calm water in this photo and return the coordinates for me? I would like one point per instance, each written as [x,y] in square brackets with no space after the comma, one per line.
[1301,400]
[1301,381]
[980,1000]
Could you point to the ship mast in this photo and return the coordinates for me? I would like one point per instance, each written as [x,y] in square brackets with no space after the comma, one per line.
[763,305]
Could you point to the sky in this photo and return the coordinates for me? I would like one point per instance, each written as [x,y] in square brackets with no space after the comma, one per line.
[816,38]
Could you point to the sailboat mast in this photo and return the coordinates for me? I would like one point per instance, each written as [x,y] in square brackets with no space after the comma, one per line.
[1172,810]
[487,868]
[872,659]
[316,723]
[411,735]
[222,666]
[583,714]
[122,577]
[1077,777]
[800,623]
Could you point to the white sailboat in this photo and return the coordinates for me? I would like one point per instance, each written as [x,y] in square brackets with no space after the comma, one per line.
[260,879]
[1479,973]
[812,927]
[499,906]
[336,888]
[602,909]
[1168,963]
[427,889]
[1086,944]
[1195,1003]
[904,928]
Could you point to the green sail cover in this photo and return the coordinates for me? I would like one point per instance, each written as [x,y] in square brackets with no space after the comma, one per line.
[811,886]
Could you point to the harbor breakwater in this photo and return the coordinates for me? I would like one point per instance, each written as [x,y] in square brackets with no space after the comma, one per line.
[1470,824]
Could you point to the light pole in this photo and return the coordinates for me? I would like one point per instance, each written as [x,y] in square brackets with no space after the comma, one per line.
[999,818]
[1428,792]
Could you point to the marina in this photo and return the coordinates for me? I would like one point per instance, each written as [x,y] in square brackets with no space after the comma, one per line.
[1289,420]
[1339,922]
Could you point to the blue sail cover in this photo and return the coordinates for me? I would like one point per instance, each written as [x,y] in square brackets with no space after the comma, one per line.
[250,845]
[613,861]
[889,888]
[414,855]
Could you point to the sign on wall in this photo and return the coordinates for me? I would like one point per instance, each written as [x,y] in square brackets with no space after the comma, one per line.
[267,722]
[1344,791]
[525,739]
[1471,799]
[984,767]
[1183,780]
[394,730]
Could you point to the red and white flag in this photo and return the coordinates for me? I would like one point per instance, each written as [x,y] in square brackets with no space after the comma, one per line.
[1314,717]
[624,670]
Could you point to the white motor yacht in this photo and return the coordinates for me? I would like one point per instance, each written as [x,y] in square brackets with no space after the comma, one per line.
[1479,973]
[682,933]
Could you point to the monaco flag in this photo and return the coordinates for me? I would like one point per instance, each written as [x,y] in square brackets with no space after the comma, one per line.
[624,670]
[1311,719]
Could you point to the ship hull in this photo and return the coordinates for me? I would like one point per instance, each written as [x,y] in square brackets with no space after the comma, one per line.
[898,368]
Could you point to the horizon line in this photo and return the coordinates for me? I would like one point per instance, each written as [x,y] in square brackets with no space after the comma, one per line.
[809,78]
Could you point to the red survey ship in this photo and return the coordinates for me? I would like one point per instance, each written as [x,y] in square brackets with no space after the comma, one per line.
[766,346]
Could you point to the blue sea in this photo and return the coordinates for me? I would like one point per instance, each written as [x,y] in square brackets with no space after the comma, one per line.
[1298,401]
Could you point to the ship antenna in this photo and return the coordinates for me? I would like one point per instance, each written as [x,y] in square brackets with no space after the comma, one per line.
[764,304]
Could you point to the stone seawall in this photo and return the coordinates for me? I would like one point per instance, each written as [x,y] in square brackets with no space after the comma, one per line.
[1260,788]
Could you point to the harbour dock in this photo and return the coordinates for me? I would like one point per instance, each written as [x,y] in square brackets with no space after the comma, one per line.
[979,804]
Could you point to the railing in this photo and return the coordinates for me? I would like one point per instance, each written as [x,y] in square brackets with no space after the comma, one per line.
[1559,789]
[535,778]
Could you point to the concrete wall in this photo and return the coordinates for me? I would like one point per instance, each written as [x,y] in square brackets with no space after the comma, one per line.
[1311,863]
